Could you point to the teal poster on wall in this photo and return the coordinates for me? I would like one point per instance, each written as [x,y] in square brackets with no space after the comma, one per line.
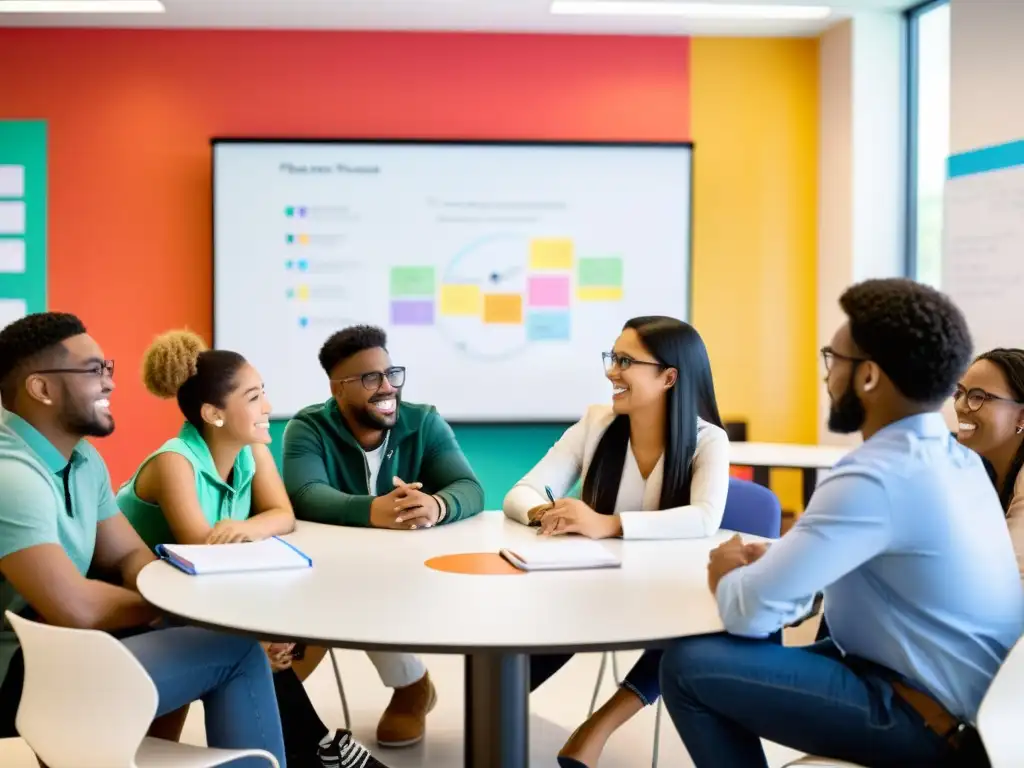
[22,218]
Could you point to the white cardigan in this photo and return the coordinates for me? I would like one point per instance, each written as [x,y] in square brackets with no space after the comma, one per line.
[637,502]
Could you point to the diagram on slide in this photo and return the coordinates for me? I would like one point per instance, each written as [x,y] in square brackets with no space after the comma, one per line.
[502,293]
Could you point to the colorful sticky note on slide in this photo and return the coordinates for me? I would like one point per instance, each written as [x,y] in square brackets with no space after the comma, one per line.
[605,271]
[598,293]
[503,308]
[547,326]
[412,313]
[548,291]
[412,281]
[551,253]
[460,300]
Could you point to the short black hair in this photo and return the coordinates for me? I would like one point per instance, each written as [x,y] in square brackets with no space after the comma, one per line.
[915,333]
[350,341]
[28,338]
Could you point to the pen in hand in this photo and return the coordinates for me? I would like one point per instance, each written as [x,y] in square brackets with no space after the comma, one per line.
[538,512]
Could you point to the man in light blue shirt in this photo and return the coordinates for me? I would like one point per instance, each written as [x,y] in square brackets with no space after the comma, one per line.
[906,537]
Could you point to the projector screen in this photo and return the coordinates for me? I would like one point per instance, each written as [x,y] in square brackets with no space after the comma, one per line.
[500,271]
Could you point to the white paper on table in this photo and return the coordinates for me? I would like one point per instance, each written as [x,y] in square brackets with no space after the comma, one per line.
[12,181]
[12,255]
[564,555]
[11,310]
[12,217]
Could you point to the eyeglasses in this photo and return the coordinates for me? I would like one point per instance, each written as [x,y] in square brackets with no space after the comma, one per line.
[977,397]
[612,360]
[373,379]
[100,369]
[829,356]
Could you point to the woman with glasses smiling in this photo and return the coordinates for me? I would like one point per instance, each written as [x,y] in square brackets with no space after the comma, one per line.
[990,410]
[654,464]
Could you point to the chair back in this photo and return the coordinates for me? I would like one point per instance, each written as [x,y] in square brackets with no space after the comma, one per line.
[1002,711]
[86,702]
[752,508]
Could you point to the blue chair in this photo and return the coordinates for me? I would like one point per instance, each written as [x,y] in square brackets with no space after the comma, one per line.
[749,508]
[753,509]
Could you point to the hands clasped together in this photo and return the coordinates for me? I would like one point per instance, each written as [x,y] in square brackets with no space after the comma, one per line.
[405,508]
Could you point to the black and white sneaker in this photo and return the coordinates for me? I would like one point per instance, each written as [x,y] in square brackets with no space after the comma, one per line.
[341,750]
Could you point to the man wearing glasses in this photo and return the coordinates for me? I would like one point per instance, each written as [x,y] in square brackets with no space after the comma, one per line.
[60,525]
[365,458]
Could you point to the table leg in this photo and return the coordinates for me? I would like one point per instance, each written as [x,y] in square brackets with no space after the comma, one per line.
[497,710]
[763,476]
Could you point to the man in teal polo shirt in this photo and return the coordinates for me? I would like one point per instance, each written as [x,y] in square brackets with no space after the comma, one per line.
[365,458]
[59,521]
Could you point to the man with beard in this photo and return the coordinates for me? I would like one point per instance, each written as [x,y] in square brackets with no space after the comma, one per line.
[906,538]
[365,458]
[59,520]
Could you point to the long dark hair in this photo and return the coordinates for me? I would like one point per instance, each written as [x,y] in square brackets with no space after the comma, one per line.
[1011,363]
[674,344]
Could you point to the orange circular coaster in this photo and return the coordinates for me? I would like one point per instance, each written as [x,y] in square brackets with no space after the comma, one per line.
[475,564]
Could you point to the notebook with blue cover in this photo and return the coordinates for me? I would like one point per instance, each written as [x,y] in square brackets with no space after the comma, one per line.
[273,554]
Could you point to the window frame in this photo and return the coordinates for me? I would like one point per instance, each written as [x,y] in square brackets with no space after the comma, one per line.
[911,94]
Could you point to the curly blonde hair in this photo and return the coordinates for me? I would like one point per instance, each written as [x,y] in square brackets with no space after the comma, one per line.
[171,360]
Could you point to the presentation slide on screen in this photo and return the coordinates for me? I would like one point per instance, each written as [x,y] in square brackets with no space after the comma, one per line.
[500,272]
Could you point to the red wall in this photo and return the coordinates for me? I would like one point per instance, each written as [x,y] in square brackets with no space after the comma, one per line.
[131,113]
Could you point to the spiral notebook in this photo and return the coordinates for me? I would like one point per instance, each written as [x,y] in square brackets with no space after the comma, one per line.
[570,555]
[273,554]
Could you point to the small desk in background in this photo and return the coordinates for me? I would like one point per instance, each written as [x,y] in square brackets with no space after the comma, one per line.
[764,457]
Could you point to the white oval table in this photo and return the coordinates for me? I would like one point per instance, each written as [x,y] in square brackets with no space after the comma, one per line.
[369,589]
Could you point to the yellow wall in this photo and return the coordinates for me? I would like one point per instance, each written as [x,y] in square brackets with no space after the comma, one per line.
[754,108]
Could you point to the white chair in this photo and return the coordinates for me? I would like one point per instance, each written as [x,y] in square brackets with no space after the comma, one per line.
[1002,712]
[87,702]
[341,689]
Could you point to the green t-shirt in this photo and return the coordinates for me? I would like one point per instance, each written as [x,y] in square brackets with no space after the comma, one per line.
[46,499]
[219,500]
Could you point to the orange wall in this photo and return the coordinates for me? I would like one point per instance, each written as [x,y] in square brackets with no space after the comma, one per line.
[131,113]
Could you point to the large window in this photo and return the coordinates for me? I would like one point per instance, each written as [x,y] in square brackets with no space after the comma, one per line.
[928,140]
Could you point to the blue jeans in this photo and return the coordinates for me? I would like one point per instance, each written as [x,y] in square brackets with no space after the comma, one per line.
[230,674]
[725,693]
[642,679]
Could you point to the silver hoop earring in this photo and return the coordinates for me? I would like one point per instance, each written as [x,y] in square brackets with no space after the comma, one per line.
[1020,429]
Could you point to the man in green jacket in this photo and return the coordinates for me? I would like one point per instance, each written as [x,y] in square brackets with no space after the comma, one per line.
[364,458]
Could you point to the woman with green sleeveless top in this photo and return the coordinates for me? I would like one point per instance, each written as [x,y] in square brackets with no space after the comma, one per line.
[217,483]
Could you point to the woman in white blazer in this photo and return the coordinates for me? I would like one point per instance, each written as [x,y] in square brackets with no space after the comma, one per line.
[655,465]
[989,404]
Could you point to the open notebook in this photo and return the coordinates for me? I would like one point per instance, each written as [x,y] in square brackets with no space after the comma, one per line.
[573,554]
[271,554]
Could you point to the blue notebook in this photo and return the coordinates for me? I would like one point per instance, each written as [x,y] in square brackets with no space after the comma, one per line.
[273,554]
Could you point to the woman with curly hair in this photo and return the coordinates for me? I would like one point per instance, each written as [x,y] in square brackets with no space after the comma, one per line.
[216,482]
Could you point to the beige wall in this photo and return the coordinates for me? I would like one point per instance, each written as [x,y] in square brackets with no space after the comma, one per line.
[986,73]
[860,187]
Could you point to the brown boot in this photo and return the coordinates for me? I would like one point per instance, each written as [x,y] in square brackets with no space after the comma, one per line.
[405,720]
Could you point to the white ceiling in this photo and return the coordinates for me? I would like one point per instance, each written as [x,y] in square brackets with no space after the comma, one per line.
[456,15]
